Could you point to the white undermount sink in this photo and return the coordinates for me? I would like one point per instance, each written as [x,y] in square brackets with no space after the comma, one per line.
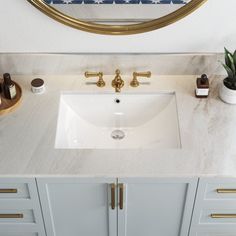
[117,121]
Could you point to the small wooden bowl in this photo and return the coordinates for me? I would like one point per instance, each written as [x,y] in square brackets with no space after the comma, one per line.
[8,105]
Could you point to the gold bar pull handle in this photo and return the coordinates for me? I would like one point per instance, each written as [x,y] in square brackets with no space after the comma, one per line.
[100,83]
[121,196]
[11,216]
[113,196]
[8,190]
[223,216]
[224,190]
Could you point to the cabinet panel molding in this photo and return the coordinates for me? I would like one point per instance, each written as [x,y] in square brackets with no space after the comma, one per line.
[20,209]
[214,211]
[78,206]
[154,206]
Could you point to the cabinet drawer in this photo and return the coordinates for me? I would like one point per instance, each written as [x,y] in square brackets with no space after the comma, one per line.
[218,216]
[16,216]
[223,190]
[20,213]
[213,231]
[18,234]
[215,234]
[214,211]
[14,189]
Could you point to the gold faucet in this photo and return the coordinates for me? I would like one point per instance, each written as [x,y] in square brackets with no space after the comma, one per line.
[117,82]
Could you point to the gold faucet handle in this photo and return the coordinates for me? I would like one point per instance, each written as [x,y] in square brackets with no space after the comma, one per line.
[135,82]
[100,83]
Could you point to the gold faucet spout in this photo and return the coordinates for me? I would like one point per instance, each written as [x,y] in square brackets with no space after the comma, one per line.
[117,89]
[117,82]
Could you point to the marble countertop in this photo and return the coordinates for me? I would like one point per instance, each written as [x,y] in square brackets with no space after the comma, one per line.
[207,129]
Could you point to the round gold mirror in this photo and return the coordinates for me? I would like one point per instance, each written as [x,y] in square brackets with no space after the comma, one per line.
[117,17]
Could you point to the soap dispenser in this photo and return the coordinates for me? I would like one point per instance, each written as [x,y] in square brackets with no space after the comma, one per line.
[202,89]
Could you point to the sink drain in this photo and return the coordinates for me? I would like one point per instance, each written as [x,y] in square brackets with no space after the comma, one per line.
[117,134]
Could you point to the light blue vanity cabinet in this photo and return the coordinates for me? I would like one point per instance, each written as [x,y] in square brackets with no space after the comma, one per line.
[215,208]
[117,207]
[20,212]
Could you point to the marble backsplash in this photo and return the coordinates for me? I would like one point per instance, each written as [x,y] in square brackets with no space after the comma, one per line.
[72,64]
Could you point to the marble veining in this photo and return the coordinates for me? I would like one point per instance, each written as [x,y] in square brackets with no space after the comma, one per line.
[76,64]
[207,126]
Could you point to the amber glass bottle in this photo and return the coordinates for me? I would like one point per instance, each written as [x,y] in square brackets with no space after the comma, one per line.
[9,88]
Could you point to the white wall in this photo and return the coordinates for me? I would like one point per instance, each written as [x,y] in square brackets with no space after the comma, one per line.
[25,29]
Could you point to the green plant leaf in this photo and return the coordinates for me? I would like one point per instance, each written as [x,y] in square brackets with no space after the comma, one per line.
[234,57]
[232,66]
[229,71]
[227,60]
[227,51]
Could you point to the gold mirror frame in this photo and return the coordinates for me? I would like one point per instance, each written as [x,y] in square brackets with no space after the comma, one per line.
[118,29]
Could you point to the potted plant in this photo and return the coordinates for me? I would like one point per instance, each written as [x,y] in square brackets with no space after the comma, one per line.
[228,88]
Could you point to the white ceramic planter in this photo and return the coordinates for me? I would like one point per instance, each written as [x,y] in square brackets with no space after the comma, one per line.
[227,95]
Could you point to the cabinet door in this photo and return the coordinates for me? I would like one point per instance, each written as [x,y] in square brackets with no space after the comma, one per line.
[153,207]
[78,206]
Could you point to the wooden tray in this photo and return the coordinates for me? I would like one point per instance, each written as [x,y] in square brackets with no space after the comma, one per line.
[8,105]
